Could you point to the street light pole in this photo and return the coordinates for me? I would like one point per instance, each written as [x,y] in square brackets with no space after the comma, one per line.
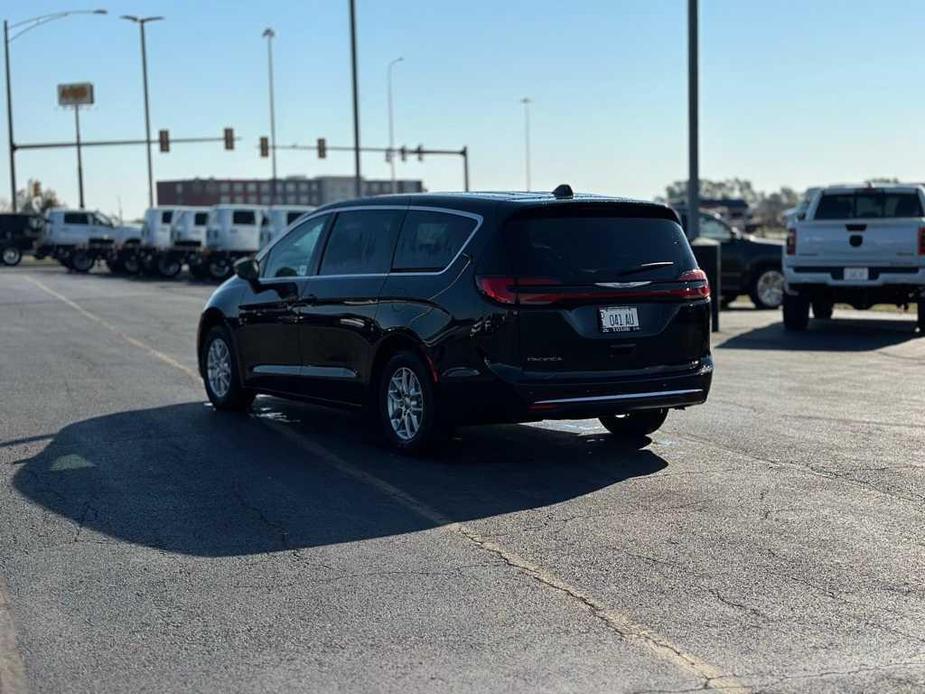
[526,102]
[356,100]
[141,21]
[80,166]
[269,34]
[391,124]
[693,161]
[7,39]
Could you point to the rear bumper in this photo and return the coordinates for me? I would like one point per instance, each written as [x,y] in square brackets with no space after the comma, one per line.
[505,394]
[832,276]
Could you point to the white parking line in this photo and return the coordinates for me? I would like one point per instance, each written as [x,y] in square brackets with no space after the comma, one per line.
[12,673]
[711,676]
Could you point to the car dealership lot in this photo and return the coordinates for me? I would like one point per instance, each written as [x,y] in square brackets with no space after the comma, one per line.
[771,539]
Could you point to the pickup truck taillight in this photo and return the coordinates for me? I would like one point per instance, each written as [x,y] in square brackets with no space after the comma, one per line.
[791,242]
[921,240]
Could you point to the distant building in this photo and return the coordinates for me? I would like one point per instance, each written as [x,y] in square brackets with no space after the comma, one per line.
[293,190]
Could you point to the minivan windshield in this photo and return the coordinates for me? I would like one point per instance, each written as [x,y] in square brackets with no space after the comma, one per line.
[586,250]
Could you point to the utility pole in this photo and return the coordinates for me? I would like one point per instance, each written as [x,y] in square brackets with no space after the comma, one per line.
[526,102]
[693,160]
[392,124]
[9,115]
[268,33]
[358,184]
[141,21]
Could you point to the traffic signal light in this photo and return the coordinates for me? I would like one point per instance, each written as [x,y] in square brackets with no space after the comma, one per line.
[420,152]
[264,147]
[322,148]
[404,153]
[229,138]
[164,137]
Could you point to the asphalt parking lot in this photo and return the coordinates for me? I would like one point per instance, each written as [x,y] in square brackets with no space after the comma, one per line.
[771,540]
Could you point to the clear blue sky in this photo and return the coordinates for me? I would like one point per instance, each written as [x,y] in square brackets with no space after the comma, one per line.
[793,93]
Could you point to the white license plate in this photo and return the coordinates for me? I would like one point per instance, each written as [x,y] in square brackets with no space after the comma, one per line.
[619,319]
[856,273]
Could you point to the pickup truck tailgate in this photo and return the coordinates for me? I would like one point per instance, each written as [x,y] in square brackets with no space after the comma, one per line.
[859,242]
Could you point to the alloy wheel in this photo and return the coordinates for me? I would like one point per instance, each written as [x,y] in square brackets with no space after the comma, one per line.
[218,367]
[770,288]
[405,403]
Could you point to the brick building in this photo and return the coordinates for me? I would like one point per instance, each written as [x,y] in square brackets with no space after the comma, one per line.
[293,190]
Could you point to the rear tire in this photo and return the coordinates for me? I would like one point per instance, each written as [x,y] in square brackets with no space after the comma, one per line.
[11,256]
[767,290]
[131,264]
[169,266]
[221,379]
[82,261]
[406,406]
[635,424]
[822,309]
[796,312]
[219,269]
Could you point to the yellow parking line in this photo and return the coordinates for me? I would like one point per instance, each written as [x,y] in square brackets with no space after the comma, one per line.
[712,676]
[109,326]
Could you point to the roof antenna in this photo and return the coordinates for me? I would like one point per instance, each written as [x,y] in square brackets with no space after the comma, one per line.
[563,190]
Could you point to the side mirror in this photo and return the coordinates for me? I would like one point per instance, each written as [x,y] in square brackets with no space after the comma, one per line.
[247,269]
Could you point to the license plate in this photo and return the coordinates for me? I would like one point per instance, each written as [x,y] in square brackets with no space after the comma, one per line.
[856,273]
[619,319]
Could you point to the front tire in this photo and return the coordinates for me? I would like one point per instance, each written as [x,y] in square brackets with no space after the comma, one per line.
[221,377]
[767,291]
[169,266]
[796,312]
[219,269]
[635,424]
[11,255]
[407,407]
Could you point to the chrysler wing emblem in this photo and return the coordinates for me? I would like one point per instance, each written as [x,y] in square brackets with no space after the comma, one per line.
[623,285]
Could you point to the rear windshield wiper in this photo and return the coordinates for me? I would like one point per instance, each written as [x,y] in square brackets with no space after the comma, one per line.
[645,266]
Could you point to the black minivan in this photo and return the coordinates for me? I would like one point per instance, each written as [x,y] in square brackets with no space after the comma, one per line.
[431,310]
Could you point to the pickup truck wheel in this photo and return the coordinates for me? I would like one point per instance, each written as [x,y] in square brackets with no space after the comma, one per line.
[921,321]
[11,256]
[82,261]
[796,312]
[768,288]
[220,369]
[822,309]
[635,424]
[219,269]
[168,266]
[131,264]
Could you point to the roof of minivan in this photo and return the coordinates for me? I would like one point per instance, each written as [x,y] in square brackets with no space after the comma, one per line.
[508,202]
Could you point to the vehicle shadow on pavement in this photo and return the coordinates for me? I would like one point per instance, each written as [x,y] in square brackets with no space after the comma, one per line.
[834,335]
[187,479]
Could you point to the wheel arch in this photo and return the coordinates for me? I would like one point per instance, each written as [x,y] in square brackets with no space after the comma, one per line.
[210,318]
[392,343]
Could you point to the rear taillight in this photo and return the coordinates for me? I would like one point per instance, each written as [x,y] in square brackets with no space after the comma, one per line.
[791,242]
[700,287]
[500,289]
[921,240]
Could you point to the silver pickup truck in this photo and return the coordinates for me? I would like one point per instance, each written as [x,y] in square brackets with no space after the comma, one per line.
[859,246]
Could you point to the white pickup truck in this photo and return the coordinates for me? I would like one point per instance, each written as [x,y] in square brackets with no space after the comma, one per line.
[858,245]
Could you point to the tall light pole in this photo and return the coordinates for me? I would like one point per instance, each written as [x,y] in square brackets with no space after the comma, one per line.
[526,101]
[356,100]
[392,124]
[693,160]
[23,26]
[141,21]
[268,34]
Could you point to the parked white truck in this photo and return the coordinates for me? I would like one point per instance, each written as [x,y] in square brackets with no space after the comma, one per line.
[233,232]
[277,219]
[858,245]
[78,238]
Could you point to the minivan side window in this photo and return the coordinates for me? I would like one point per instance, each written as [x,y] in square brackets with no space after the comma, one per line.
[430,240]
[361,242]
[75,218]
[292,255]
[201,219]
[243,217]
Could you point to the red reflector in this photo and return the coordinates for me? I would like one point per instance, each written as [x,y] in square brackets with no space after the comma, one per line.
[791,242]
[921,240]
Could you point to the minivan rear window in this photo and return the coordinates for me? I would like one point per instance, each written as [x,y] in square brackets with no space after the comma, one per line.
[869,205]
[430,240]
[586,249]
[243,217]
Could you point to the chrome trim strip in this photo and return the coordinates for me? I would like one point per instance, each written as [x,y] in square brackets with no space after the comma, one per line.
[353,208]
[304,371]
[623,396]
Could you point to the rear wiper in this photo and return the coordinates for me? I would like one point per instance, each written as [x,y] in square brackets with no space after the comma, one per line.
[645,266]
